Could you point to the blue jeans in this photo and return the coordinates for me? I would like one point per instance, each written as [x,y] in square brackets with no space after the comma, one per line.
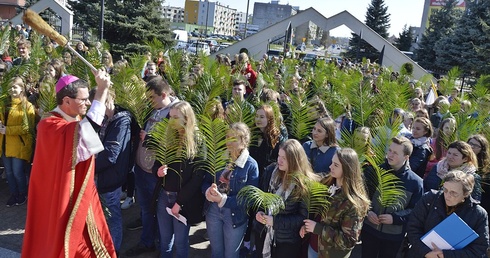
[145,184]
[111,202]
[16,176]
[311,252]
[172,231]
[225,240]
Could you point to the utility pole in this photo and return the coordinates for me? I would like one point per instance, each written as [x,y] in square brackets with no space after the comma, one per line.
[246,20]
[101,26]
[207,13]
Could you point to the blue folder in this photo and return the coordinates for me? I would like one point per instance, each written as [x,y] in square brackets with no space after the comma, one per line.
[451,234]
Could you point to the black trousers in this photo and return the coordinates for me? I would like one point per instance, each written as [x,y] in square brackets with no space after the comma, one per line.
[374,247]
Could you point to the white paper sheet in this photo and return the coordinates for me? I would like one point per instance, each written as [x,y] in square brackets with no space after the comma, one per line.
[180,218]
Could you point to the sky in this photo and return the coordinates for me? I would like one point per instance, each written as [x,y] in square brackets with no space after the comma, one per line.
[402,12]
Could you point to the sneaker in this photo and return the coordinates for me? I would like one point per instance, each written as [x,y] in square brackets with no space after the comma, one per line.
[124,195]
[128,202]
[140,249]
[12,200]
[135,225]
[20,200]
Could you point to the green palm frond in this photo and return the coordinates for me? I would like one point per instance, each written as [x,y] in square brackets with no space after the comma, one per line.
[466,126]
[255,199]
[302,117]
[317,199]
[176,69]
[202,93]
[240,111]
[481,88]
[388,185]
[130,93]
[79,69]
[4,38]
[362,103]
[399,95]
[382,130]
[47,97]
[165,142]
[155,46]
[348,140]
[213,158]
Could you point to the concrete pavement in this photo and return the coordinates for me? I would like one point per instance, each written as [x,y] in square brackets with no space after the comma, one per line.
[12,225]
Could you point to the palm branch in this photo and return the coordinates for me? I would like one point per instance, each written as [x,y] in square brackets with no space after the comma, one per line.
[302,117]
[240,111]
[47,97]
[79,69]
[176,70]
[213,132]
[202,93]
[382,135]
[255,199]
[481,88]
[4,38]
[362,105]
[317,198]
[130,93]
[466,126]
[388,185]
[166,143]
[348,140]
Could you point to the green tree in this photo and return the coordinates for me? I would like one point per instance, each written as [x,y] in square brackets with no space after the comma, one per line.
[128,25]
[378,19]
[461,47]
[441,24]
[405,39]
[325,38]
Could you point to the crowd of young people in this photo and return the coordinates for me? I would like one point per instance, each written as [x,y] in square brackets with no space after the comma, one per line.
[421,153]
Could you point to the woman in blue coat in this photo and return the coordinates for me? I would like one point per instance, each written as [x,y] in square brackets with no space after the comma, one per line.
[226,220]
[321,149]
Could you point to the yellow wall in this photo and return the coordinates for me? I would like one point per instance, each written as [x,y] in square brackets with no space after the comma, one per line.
[191,11]
[437,4]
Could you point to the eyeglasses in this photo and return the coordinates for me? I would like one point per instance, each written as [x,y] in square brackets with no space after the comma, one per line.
[85,100]
[474,145]
[451,193]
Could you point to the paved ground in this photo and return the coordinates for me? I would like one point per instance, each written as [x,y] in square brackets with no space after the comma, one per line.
[12,223]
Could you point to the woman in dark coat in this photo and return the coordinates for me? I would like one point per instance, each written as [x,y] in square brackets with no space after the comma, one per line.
[180,189]
[277,235]
[435,206]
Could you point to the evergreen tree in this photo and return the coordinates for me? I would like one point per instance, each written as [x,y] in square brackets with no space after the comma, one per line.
[461,47]
[378,19]
[405,39]
[87,13]
[128,25]
[441,24]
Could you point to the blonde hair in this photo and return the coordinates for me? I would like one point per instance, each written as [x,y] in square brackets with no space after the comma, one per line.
[190,126]
[242,133]
[19,81]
